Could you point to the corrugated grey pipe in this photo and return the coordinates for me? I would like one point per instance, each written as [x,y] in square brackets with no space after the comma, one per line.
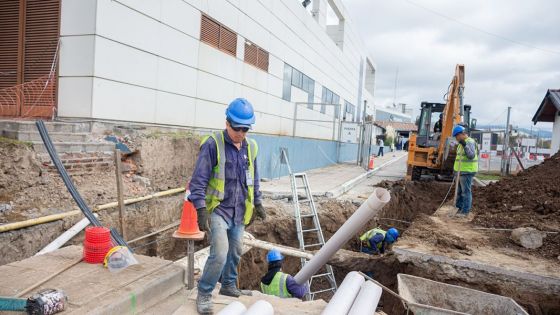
[345,295]
[379,198]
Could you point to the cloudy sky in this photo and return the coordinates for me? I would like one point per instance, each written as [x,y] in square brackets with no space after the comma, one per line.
[510,48]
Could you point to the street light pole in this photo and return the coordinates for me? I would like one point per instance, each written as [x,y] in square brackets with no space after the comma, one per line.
[505,154]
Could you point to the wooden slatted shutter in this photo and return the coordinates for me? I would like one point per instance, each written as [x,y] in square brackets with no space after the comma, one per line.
[228,41]
[9,38]
[250,53]
[210,31]
[41,37]
[262,60]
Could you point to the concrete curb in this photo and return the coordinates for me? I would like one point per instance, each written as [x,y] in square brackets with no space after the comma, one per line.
[536,280]
[143,293]
[345,187]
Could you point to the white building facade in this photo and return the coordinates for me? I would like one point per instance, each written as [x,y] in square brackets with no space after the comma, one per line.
[180,62]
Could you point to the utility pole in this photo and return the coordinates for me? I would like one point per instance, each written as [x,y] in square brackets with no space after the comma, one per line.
[505,154]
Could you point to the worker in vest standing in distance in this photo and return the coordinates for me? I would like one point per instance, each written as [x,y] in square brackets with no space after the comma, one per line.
[225,191]
[277,283]
[466,161]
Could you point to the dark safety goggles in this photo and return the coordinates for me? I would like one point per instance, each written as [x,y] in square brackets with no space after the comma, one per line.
[238,129]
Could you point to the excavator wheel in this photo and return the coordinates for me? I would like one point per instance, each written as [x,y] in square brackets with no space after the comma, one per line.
[416,173]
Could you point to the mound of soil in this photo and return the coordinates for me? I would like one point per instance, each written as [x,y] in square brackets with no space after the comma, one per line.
[529,199]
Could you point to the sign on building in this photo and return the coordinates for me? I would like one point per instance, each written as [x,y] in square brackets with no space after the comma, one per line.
[349,133]
[486,141]
[529,142]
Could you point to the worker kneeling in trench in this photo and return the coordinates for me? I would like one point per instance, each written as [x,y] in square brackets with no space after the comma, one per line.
[376,240]
[280,284]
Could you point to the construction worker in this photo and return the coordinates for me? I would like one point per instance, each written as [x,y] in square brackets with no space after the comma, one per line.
[437,125]
[375,241]
[277,283]
[381,146]
[225,191]
[466,162]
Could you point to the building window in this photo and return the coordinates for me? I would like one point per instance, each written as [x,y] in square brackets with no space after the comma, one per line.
[256,56]
[287,84]
[350,109]
[217,35]
[294,77]
[328,97]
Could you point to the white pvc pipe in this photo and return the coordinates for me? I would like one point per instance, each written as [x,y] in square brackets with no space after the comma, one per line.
[379,198]
[345,295]
[367,299]
[260,307]
[66,236]
[233,308]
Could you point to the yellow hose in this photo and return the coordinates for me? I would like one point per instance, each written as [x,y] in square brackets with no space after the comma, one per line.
[58,216]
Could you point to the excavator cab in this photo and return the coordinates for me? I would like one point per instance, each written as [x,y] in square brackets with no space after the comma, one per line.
[428,135]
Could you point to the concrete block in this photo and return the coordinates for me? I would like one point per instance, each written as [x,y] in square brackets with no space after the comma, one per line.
[528,237]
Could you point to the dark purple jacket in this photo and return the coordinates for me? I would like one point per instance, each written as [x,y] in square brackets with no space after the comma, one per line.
[232,208]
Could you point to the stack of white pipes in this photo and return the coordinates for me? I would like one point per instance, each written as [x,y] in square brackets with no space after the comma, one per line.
[355,296]
[260,307]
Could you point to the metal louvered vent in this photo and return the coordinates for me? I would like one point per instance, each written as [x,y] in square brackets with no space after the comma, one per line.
[9,38]
[228,41]
[210,31]
[262,60]
[251,53]
[256,56]
[217,35]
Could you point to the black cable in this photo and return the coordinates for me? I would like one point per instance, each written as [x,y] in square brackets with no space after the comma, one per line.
[70,185]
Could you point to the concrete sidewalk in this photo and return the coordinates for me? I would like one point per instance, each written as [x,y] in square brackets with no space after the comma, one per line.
[331,181]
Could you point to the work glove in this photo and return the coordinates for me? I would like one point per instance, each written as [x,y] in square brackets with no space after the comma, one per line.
[202,215]
[463,143]
[260,212]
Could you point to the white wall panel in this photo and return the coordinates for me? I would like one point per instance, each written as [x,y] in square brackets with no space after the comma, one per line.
[274,86]
[214,88]
[217,62]
[77,17]
[225,13]
[254,77]
[76,56]
[148,7]
[175,109]
[113,100]
[127,26]
[176,78]
[74,96]
[182,16]
[123,63]
[209,115]
[177,46]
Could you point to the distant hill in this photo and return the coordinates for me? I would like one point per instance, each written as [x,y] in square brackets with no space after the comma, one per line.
[542,133]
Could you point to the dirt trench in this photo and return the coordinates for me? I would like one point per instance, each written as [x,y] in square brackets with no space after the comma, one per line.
[408,201]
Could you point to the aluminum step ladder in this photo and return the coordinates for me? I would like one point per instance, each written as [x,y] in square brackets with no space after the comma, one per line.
[309,232]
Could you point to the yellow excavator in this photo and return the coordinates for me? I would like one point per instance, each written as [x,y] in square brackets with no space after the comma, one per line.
[432,149]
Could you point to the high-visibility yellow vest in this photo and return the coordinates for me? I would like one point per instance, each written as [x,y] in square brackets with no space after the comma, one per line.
[216,185]
[277,286]
[369,234]
[467,166]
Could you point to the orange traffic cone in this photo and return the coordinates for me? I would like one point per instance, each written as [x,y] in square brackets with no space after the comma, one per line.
[188,229]
[370,164]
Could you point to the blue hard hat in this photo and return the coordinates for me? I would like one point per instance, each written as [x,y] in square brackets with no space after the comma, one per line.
[240,113]
[274,255]
[457,130]
[392,235]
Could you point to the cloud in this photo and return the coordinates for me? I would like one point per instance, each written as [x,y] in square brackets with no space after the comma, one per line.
[495,40]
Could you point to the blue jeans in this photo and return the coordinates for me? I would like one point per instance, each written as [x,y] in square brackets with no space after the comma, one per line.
[464,193]
[226,245]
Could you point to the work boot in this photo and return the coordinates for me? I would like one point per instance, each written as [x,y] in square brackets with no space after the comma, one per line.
[204,304]
[234,291]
